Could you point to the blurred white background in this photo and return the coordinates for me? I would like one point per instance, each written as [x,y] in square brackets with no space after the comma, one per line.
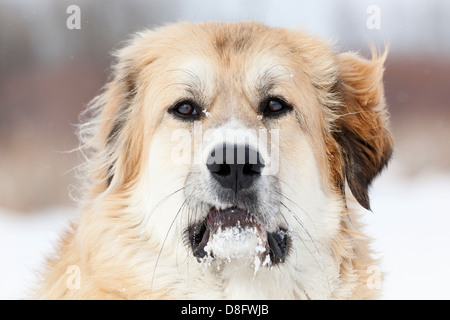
[48,74]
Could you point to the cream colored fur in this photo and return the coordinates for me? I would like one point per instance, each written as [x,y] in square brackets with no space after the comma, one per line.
[128,242]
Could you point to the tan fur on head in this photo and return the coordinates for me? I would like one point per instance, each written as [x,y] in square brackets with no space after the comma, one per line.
[141,210]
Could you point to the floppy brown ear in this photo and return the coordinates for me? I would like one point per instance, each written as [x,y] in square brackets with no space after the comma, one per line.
[361,128]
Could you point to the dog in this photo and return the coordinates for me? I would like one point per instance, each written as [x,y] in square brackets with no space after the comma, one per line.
[227,161]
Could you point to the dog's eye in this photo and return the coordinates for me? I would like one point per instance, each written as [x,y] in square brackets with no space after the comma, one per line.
[186,110]
[274,107]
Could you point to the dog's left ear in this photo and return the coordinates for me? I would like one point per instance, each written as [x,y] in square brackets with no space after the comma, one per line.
[361,127]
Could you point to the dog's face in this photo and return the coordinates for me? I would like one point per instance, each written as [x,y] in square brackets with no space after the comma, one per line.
[234,143]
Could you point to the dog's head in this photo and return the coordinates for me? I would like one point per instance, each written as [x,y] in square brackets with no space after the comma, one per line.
[234,144]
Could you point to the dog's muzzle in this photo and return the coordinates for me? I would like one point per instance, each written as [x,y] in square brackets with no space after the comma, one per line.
[235,229]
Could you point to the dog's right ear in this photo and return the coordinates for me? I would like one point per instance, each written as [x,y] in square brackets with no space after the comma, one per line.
[113,135]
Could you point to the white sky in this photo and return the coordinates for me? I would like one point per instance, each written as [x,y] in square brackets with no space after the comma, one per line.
[412,26]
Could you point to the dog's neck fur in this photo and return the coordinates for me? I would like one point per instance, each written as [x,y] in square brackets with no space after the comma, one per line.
[348,270]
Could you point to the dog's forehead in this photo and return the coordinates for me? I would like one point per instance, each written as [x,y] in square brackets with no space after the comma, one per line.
[211,74]
[266,71]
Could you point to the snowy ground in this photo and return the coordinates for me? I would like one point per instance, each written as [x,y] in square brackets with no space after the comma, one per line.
[410,224]
[24,243]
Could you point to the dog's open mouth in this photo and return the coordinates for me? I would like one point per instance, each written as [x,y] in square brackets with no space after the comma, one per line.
[235,233]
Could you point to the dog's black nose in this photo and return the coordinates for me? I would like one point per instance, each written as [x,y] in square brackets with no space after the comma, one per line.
[235,167]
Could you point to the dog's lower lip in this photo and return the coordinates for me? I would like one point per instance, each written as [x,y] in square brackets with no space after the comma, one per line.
[278,245]
[199,234]
[199,248]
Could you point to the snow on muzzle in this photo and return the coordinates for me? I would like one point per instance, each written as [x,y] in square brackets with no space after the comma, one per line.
[236,233]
